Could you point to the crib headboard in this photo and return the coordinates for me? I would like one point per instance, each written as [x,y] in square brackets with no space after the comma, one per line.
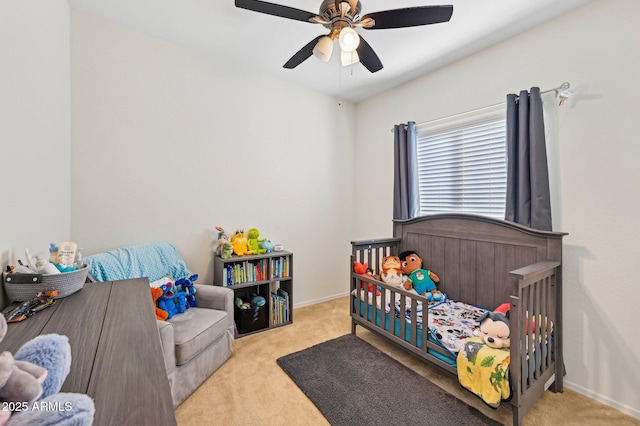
[473,255]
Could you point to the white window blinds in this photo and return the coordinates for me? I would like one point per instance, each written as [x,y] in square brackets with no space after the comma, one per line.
[462,164]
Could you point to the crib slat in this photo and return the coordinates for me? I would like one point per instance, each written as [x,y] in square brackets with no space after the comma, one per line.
[414,322]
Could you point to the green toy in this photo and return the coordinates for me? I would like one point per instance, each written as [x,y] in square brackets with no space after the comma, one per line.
[254,241]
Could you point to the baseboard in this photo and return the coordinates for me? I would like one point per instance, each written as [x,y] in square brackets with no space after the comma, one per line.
[316,301]
[605,400]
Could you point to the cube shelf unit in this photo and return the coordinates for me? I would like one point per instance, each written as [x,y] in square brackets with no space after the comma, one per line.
[269,275]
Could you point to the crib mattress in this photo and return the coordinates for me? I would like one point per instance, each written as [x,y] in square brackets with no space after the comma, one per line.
[451,323]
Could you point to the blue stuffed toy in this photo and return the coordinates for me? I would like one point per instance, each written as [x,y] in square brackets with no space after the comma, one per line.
[46,362]
[185,285]
[172,301]
[267,245]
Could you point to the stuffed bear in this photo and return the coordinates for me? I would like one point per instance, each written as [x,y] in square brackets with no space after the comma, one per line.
[495,330]
[391,271]
[185,285]
[422,280]
[45,362]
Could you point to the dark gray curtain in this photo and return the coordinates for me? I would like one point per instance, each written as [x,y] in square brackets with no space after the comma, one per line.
[528,199]
[405,182]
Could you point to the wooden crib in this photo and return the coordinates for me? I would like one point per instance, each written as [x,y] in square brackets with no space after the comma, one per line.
[484,262]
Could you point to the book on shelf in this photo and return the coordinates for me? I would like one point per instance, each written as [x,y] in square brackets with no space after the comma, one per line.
[280,267]
[279,307]
[244,272]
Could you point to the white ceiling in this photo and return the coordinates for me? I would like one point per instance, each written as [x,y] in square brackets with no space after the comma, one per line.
[266,42]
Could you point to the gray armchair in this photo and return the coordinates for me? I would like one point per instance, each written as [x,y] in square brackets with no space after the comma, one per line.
[194,343]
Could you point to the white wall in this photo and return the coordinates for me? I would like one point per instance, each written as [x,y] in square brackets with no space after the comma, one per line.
[168,143]
[597,177]
[34,127]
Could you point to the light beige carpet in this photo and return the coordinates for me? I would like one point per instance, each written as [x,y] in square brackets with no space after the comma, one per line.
[250,388]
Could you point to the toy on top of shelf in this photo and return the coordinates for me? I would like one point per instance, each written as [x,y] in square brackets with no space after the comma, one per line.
[254,241]
[224,248]
[240,243]
[267,245]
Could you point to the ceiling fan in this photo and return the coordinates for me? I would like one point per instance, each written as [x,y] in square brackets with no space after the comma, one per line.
[341,17]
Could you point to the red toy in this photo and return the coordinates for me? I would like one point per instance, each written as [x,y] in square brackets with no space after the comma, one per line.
[363,269]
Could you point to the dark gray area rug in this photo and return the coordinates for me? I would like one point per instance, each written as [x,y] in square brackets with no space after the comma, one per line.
[354,383]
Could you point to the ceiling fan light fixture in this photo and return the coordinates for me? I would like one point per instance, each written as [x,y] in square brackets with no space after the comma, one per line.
[349,58]
[349,39]
[323,49]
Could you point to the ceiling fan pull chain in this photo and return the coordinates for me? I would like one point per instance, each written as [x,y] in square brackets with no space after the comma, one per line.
[339,85]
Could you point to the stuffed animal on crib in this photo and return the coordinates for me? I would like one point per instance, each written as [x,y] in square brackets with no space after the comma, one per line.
[185,285]
[363,269]
[172,301]
[253,239]
[391,271]
[495,330]
[267,245]
[421,280]
[32,378]
[240,243]
[224,248]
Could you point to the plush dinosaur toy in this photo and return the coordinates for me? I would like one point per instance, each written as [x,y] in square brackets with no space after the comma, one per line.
[254,241]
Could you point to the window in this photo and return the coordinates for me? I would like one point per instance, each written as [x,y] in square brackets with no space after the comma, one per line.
[462,163]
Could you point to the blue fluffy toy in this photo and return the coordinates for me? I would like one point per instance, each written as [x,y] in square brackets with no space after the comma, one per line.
[185,285]
[172,301]
[53,353]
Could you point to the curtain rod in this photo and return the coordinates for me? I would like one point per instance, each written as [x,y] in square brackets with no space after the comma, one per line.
[564,86]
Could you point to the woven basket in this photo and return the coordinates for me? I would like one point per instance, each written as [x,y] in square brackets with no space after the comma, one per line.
[66,284]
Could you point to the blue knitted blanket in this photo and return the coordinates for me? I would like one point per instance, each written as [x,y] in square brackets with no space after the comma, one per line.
[152,260]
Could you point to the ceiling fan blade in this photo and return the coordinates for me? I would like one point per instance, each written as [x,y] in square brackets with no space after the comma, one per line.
[409,17]
[275,10]
[302,54]
[368,57]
